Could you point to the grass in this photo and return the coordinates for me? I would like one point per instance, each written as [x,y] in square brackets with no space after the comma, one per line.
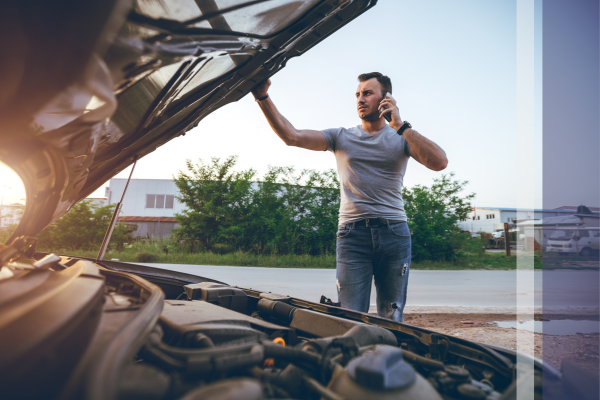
[471,257]
[237,258]
[571,262]
[168,251]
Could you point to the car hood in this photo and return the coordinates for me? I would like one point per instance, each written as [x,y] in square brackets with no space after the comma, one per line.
[89,87]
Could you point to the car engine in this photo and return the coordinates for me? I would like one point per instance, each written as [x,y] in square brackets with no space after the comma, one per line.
[72,328]
[220,343]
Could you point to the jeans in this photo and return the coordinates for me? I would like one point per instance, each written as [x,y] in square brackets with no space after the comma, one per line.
[382,252]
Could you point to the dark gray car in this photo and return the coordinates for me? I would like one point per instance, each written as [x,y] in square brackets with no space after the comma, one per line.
[90,86]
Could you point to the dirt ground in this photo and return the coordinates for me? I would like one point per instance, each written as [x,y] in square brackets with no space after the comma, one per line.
[581,348]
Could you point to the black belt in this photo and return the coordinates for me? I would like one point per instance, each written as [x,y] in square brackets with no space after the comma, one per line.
[370,222]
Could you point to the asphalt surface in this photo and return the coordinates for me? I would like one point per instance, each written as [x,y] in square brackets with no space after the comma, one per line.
[455,291]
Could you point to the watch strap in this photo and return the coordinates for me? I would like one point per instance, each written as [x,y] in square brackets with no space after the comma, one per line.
[404,126]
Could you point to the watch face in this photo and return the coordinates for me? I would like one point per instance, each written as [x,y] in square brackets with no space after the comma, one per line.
[408,123]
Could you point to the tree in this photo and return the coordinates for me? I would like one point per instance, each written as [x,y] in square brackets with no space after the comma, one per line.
[433,213]
[83,228]
[320,201]
[284,212]
[217,200]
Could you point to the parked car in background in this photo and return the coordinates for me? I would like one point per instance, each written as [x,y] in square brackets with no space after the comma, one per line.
[579,241]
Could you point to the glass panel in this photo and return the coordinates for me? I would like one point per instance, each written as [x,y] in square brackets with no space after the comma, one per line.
[135,102]
[169,201]
[560,234]
[150,200]
[260,19]
[211,68]
[160,201]
[583,234]
[179,10]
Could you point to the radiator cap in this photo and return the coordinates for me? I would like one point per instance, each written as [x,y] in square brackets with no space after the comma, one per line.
[382,369]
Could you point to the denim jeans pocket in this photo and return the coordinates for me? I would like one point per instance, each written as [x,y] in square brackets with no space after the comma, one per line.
[400,229]
[343,232]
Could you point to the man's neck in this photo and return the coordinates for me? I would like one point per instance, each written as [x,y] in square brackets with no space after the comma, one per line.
[373,126]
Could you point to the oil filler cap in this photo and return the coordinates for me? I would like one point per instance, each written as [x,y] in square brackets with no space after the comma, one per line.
[382,369]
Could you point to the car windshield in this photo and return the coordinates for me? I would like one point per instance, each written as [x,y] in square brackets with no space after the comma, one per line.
[561,234]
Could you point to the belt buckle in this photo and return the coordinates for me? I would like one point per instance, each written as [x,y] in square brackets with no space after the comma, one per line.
[377,223]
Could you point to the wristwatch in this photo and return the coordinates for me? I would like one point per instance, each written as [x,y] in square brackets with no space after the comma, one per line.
[404,126]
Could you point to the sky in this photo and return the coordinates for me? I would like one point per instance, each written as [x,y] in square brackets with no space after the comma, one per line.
[454,76]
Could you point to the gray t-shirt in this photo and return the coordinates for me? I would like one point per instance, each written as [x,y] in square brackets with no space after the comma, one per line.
[371,168]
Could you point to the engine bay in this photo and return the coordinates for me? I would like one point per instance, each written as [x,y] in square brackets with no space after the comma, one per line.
[219,342]
[156,334]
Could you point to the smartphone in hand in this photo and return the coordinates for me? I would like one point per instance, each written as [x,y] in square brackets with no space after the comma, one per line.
[388,117]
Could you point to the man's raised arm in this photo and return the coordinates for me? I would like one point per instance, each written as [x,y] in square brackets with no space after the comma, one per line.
[305,138]
[421,149]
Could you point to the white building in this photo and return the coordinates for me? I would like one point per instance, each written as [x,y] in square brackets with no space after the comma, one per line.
[492,219]
[149,206]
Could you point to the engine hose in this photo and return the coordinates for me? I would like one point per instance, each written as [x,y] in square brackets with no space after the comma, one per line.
[325,393]
[423,361]
[307,360]
[155,355]
[184,354]
[214,364]
[291,354]
[201,361]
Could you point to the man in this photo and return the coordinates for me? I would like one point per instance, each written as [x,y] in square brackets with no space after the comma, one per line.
[373,239]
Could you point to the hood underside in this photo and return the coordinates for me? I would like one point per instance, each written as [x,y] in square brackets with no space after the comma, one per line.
[88,87]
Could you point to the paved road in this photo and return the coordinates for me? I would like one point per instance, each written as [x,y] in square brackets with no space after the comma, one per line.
[470,290]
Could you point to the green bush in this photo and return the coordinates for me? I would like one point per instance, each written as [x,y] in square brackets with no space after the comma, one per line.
[222,248]
[433,215]
[146,258]
[283,212]
[83,228]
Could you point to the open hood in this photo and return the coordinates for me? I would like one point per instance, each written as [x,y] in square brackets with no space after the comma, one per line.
[88,87]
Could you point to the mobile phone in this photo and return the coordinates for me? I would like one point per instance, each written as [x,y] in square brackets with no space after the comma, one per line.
[387,117]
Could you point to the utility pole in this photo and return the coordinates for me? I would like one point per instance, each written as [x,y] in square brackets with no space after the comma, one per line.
[506,239]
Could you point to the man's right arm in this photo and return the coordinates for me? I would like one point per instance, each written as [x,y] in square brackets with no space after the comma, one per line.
[305,138]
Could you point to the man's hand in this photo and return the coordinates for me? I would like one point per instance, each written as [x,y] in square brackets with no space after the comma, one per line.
[262,89]
[392,110]
[422,149]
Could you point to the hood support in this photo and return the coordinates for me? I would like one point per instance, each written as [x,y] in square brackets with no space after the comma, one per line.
[115,216]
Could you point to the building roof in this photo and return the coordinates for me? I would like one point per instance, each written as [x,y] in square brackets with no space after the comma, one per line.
[563,220]
[574,208]
[147,219]
[556,210]
[587,215]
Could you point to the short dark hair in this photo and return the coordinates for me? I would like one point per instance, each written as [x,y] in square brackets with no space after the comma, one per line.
[384,81]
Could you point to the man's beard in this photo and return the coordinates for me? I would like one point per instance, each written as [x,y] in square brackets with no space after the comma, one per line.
[370,117]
